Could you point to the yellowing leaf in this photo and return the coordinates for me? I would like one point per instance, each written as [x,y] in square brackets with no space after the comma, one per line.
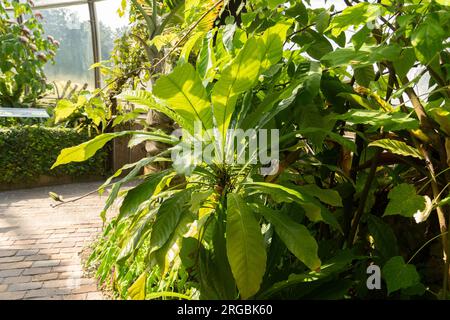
[64,109]
[443,2]
[85,150]
[137,289]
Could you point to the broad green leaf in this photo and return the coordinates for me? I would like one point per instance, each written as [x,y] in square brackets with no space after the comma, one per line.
[322,21]
[314,43]
[273,40]
[399,275]
[238,77]
[159,136]
[365,56]
[185,94]
[314,210]
[360,37]
[403,200]
[347,143]
[64,108]
[383,236]
[444,2]
[397,147]
[85,150]
[327,196]
[303,88]
[145,98]
[167,218]
[137,290]
[295,236]
[356,15]
[281,194]
[135,235]
[228,36]
[358,100]
[171,249]
[245,246]
[377,119]
[139,194]
[442,116]
[206,60]
[405,62]
[190,44]
[339,263]
[364,75]
[427,40]
[274,3]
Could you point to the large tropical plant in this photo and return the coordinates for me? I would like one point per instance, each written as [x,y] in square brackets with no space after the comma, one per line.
[363,169]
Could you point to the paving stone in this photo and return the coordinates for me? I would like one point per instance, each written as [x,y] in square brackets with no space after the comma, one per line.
[10,273]
[34,271]
[46,263]
[24,242]
[44,293]
[27,252]
[45,276]
[11,259]
[85,289]
[94,296]
[24,286]
[49,251]
[20,279]
[67,250]
[15,265]
[80,296]
[37,257]
[63,283]
[7,253]
[71,274]
[12,295]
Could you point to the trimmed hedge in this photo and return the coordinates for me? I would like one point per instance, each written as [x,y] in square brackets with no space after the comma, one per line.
[28,152]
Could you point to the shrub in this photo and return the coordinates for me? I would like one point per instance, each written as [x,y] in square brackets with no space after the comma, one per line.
[23,54]
[28,152]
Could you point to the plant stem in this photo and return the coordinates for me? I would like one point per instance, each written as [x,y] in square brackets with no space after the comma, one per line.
[363,199]
[442,221]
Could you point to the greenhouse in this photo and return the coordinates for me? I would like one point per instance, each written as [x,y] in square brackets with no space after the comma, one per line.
[224,150]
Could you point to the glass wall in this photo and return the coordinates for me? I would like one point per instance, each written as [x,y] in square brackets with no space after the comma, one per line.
[68,21]
[71,27]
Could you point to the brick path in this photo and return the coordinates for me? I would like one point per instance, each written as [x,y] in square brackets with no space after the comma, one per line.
[40,246]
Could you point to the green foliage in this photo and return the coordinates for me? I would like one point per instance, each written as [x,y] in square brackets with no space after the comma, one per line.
[245,248]
[23,54]
[399,275]
[363,156]
[29,152]
[404,201]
